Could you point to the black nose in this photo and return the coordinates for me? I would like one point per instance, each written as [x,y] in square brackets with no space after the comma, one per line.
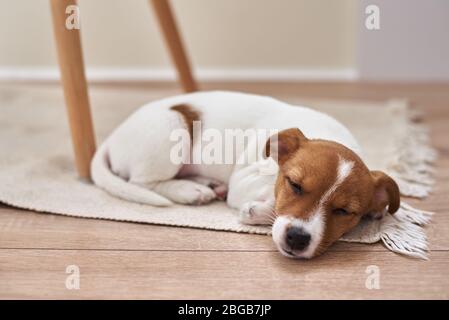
[297,238]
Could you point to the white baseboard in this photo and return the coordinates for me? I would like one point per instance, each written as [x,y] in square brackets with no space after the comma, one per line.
[114,74]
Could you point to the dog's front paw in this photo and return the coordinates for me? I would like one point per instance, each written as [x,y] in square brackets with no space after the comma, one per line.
[256,213]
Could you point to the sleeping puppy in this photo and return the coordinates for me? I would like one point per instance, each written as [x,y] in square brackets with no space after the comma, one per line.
[305,176]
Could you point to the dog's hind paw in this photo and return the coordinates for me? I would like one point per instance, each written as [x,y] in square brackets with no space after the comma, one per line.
[220,188]
[196,196]
[185,191]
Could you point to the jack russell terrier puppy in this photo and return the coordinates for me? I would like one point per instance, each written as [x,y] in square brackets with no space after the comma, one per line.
[319,189]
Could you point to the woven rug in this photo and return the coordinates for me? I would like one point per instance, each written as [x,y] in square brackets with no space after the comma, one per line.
[37,170]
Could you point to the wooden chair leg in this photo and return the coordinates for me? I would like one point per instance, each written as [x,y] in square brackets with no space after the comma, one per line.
[173,41]
[73,79]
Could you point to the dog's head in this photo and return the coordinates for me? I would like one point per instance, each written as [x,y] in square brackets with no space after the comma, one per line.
[322,191]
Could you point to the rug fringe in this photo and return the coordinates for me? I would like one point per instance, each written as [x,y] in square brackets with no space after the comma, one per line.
[403,232]
[412,168]
[413,215]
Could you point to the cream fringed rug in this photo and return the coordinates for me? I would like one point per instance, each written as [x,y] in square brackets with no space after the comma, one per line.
[37,169]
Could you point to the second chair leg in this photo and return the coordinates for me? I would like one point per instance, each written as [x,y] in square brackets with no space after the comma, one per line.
[173,40]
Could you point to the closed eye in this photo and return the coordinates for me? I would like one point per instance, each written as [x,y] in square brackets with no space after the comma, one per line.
[295,187]
[340,212]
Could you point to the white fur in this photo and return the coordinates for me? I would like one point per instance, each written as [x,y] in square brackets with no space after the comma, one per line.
[278,233]
[258,212]
[343,171]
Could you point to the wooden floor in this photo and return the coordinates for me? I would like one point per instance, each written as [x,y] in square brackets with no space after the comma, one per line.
[127,260]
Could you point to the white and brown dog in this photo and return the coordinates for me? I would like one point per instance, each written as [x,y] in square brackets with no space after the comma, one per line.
[320,190]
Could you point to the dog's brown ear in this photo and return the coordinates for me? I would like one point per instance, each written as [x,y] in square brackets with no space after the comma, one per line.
[386,192]
[281,145]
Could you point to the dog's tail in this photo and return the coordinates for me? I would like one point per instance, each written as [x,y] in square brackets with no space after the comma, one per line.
[106,179]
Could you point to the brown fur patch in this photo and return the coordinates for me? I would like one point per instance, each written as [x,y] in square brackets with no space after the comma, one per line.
[189,115]
[313,164]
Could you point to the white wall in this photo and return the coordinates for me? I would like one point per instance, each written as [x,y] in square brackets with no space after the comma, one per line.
[246,39]
[411,45]
[224,34]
